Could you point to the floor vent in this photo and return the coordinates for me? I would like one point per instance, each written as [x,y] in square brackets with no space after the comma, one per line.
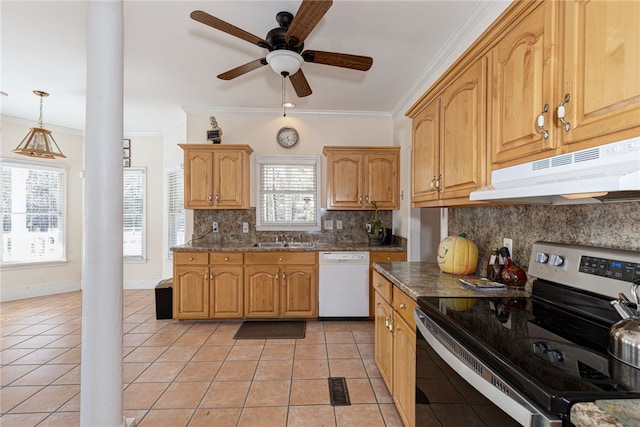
[338,391]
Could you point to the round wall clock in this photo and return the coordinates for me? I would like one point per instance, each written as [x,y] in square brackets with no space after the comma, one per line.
[287,137]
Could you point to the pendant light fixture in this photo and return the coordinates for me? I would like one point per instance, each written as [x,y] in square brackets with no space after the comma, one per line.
[39,142]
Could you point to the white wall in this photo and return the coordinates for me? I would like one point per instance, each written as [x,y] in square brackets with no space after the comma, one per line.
[16,282]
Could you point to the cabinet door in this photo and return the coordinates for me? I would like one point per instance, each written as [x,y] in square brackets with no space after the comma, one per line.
[299,292]
[404,370]
[198,179]
[462,141]
[191,292]
[424,153]
[226,292]
[383,346]
[230,180]
[524,70]
[262,291]
[602,76]
[382,181]
[344,181]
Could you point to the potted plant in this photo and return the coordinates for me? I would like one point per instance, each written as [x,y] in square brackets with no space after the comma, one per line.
[376,228]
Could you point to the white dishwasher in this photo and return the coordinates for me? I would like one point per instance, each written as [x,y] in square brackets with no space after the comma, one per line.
[343,289]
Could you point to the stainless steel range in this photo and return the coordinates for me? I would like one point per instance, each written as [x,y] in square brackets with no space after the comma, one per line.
[490,361]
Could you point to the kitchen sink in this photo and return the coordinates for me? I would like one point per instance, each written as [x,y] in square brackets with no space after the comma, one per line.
[269,245]
[284,245]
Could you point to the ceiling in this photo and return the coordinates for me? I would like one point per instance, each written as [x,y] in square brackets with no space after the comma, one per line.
[171,61]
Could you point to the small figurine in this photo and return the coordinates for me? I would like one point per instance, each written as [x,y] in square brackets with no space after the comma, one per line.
[215,134]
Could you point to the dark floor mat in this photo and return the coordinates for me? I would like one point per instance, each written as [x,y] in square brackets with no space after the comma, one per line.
[287,329]
[338,391]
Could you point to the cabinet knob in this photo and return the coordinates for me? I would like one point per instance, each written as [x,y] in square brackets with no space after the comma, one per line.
[190,258]
[280,259]
[377,284]
[226,258]
[403,306]
[388,258]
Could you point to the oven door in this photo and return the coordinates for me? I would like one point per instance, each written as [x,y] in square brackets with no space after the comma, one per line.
[453,388]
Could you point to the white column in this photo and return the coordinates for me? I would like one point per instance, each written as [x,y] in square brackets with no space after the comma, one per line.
[101,370]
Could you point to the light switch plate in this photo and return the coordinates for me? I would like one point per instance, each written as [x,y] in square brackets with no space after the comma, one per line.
[328,224]
[508,243]
[245,227]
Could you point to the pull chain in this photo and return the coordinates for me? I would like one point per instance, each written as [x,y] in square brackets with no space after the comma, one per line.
[284,109]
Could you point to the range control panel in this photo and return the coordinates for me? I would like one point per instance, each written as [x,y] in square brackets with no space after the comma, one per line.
[611,268]
[605,271]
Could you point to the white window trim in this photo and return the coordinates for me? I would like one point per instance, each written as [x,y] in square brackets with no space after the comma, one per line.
[168,171]
[52,167]
[292,160]
[143,256]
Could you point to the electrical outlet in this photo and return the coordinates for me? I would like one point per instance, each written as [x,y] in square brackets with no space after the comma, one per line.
[338,224]
[328,224]
[508,243]
[245,227]
[215,226]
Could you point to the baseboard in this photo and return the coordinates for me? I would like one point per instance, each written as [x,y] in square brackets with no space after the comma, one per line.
[38,290]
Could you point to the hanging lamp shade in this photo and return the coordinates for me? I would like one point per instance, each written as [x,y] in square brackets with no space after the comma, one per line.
[39,142]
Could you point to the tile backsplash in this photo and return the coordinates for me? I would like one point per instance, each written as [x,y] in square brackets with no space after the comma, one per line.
[230,227]
[614,225]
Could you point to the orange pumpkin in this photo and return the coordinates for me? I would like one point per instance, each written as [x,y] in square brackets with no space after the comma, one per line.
[457,255]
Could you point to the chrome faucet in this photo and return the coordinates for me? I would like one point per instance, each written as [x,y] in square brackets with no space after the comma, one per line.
[299,236]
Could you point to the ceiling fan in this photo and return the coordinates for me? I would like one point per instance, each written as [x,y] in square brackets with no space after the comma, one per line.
[286,45]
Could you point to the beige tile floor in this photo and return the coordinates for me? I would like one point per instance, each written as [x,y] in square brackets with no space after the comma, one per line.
[188,373]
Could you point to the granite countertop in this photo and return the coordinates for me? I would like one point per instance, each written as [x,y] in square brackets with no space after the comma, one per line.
[590,414]
[418,279]
[248,247]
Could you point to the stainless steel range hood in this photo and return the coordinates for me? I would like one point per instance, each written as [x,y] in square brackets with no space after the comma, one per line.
[602,174]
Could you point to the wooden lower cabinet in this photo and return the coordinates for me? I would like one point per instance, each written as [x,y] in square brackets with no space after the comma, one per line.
[383,347]
[226,290]
[299,292]
[262,291]
[395,345]
[404,369]
[191,292]
[381,256]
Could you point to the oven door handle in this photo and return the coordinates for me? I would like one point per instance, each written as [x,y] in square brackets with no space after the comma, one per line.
[478,375]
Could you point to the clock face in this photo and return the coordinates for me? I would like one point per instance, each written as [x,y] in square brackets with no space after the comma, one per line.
[287,137]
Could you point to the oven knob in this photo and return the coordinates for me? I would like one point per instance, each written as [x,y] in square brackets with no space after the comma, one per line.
[555,356]
[556,260]
[541,257]
[540,347]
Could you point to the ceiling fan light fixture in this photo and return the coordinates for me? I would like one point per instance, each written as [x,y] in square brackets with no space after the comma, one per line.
[288,104]
[284,62]
[39,142]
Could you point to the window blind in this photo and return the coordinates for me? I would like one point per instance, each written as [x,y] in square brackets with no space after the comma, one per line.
[288,193]
[175,207]
[133,213]
[33,212]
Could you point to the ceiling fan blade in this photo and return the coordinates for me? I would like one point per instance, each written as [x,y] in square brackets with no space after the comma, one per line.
[221,25]
[355,62]
[306,19]
[300,84]
[243,69]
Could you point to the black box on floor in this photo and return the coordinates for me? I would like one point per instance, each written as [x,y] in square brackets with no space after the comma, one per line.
[164,299]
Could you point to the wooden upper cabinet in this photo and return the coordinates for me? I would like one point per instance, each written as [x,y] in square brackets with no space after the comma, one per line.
[601,72]
[523,67]
[216,176]
[449,137]
[357,176]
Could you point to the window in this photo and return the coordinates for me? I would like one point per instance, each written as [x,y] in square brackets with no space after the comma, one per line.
[175,192]
[33,212]
[133,213]
[288,193]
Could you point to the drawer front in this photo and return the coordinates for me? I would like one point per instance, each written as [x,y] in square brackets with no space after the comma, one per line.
[280,258]
[191,258]
[404,305]
[223,258]
[388,256]
[382,286]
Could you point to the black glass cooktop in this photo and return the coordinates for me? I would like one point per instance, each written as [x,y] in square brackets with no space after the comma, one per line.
[552,347]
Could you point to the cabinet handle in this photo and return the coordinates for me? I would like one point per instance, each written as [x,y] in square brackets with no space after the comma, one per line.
[561,112]
[217,197]
[391,325]
[284,276]
[403,306]
[366,199]
[210,197]
[545,133]
[438,182]
[359,199]
[432,184]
